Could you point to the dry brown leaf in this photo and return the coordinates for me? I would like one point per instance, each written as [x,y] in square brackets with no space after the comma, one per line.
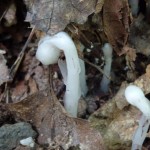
[99,6]
[130,57]
[54,126]
[20,147]
[53,16]
[116,23]
[131,54]
[121,129]
[19,92]
[4,76]
[148,71]
[117,126]
[41,77]
[32,86]
[116,120]
[5,115]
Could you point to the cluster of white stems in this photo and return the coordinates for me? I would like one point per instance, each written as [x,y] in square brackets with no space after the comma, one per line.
[48,52]
[73,69]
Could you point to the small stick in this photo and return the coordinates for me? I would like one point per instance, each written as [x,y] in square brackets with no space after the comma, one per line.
[16,64]
[95,66]
[4,13]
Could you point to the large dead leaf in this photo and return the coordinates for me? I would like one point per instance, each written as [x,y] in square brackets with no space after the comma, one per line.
[116,23]
[53,15]
[54,126]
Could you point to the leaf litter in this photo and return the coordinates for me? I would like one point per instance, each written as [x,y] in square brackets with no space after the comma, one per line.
[31,100]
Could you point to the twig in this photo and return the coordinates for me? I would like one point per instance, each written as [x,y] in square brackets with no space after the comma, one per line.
[16,64]
[4,13]
[77,31]
[95,66]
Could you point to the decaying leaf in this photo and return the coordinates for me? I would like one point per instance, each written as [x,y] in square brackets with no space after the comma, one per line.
[99,6]
[130,57]
[19,92]
[52,16]
[121,129]
[55,127]
[148,71]
[116,23]
[4,77]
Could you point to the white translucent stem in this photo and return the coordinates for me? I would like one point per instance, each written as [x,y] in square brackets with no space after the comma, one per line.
[143,104]
[107,51]
[140,134]
[83,84]
[104,85]
[134,6]
[63,41]
[72,93]
[136,97]
[63,69]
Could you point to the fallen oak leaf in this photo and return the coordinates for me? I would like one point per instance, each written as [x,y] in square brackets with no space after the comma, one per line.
[45,113]
[19,91]
[54,15]
[116,23]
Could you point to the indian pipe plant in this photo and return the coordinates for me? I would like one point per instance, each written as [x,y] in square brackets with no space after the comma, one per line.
[48,52]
